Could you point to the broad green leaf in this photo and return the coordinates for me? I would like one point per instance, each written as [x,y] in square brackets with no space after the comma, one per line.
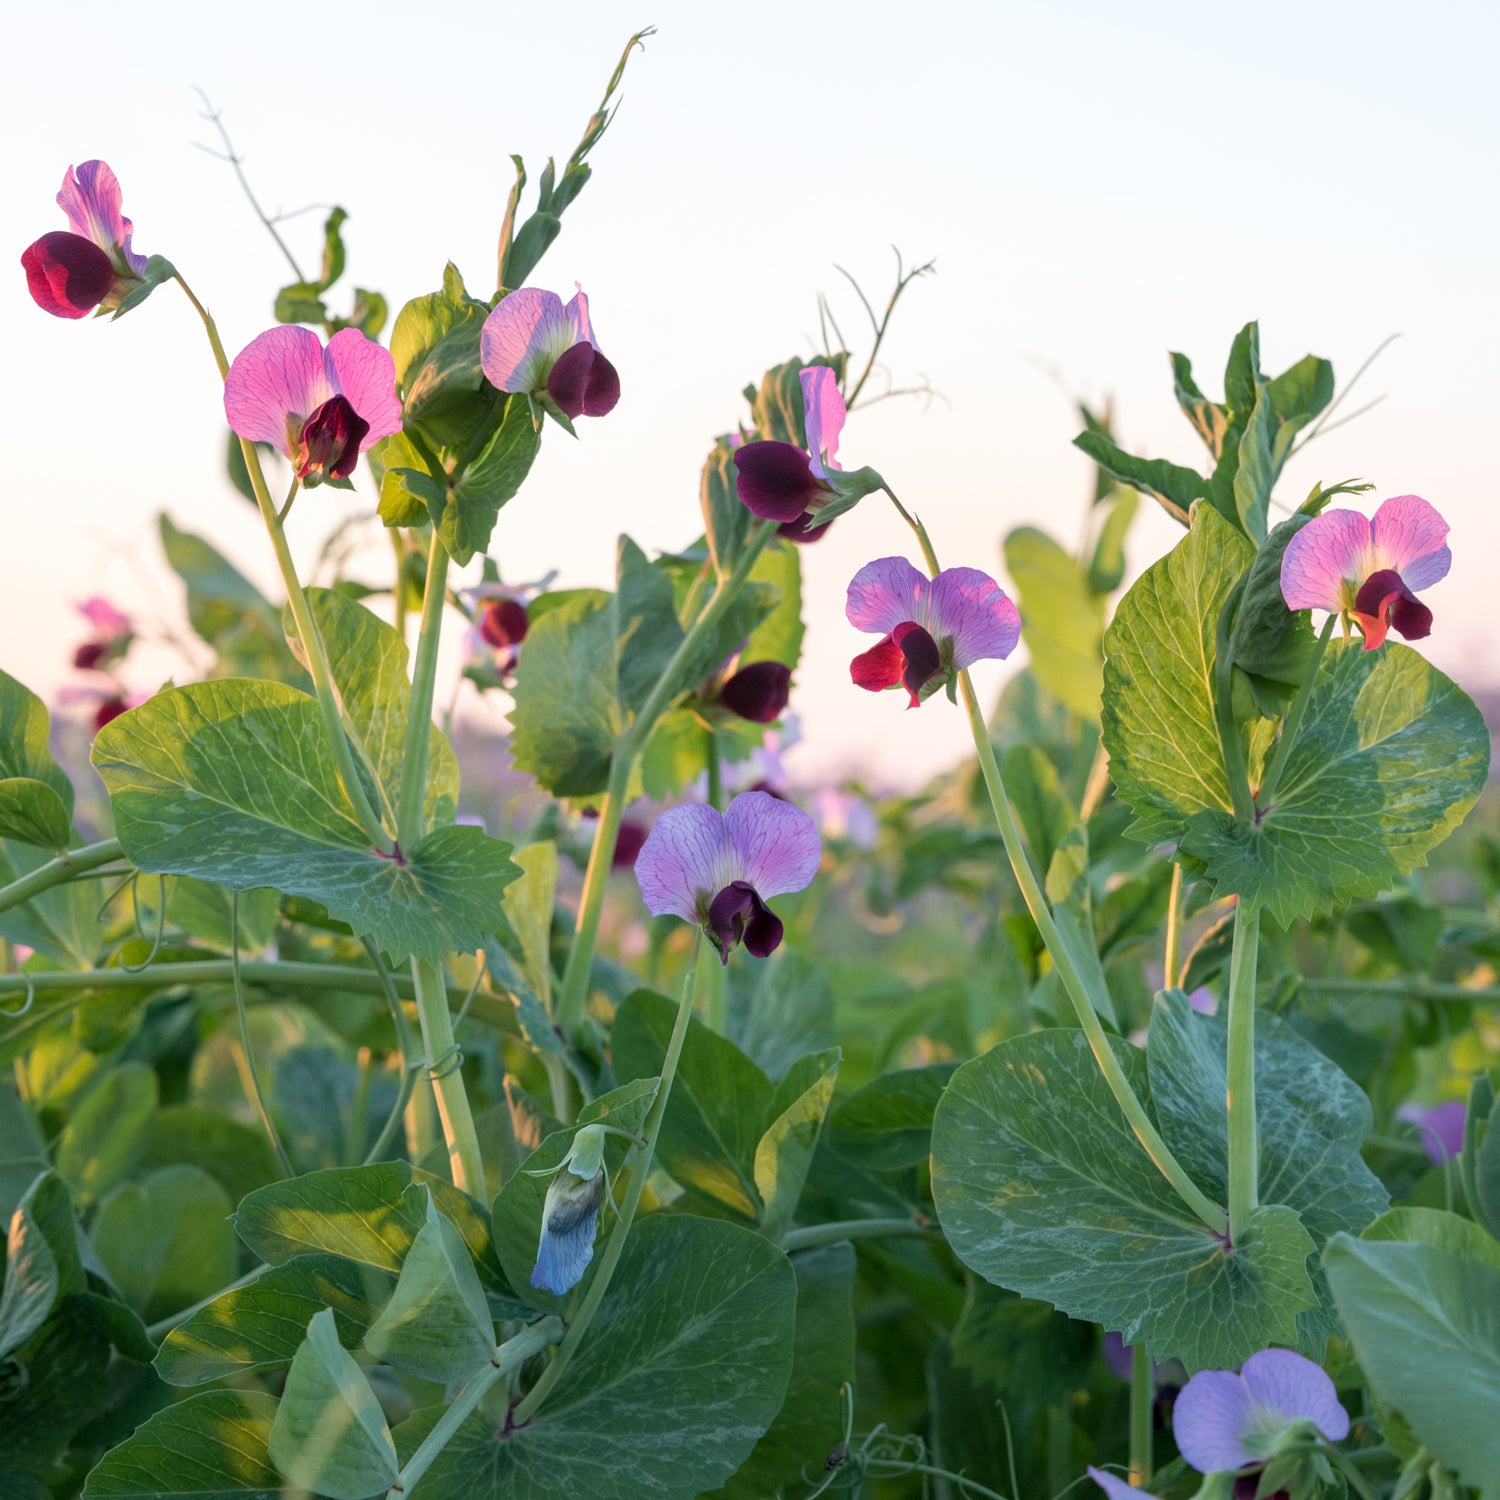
[810,1421]
[206,912]
[779,1011]
[1209,419]
[61,923]
[1026,1351]
[1390,758]
[238,1156]
[646,631]
[1432,1226]
[1160,728]
[166,1241]
[24,753]
[1107,566]
[1268,640]
[126,1330]
[726,521]
[435,346]
[108,1132]
[528,906]
[1169,483]
[466,518]
[1062,619]
[209,1447]
[49,1210]
[887,1125]
[23,1156]
[1042,1188]
[437,1324]
[1481,1105]
[784,1153]
[1256,470]
[698,1322]
[31,1281]
[233,782]
[1038,799]
[1425,1324]
[31,812]
[329,1434]
[260,1326]
[779,636]
[1311,1120]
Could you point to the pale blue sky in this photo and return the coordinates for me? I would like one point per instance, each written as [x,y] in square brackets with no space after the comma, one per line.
[1098,183]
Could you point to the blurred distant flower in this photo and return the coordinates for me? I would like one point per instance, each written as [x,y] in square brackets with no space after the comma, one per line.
[781,483]
[105,703]
[1204,1001]
[719,869]
[628,844]
[111,638]
[1117,1488]
[932,627]
[1370,568]
[758,692]
[320,407]
[71,274]
[533,343]
[843,815]
[1441,1128]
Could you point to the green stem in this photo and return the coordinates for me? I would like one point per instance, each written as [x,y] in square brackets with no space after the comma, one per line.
[715,772]
[855,1229]
[508,1357]
[1293,721]
[1350,1470]
[167,1324]
[1142,1400]
[409,821]
[639,1162]
[1244,1148]
[444,1065]
[1174,929]
[56,871]
[410,1066]
[1399,989]
[575,983]
[257,1096]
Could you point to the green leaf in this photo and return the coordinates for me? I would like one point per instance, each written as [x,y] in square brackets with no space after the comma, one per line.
[32,813]
[784,1153]
[849,487]
[31,1281]
[1169,483]
[166,1241]
[528,906]
[1042,1188]
[299,302]
[1432,1226]
[779,636]
[209,1447]
[726,521]
[233,782]
[779,1011]
[437,1325]
[1390,758]
[1107,566]
[1062,619]
[23,1156]
[1425,1324]
[887,1125]
[1256,471]
[1026,1351]
[238,1156]
[1160,726]
[1268,640]
[435,346]
[107,1135]
[330,1434]
[646,631]
[1209,419]
[24,730]
[466,517]
[1311,1120]
[699,1321]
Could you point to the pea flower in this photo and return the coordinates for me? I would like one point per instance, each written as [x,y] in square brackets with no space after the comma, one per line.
[534,344]
[718,869]
[1441,1128]
[781,483]
[90,265]
[757,692]
[320,407]
[931,628]
[570,1213]
[1342,562]
[111,638]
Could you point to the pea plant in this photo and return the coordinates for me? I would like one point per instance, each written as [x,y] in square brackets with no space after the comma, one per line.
[1114,1111]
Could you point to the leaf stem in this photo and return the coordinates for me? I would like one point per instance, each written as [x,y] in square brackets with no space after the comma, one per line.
[57,871]
[856,1229]
[638,1159]
[1293,721]
[410,1065]
[1172,955]
[1142,1400]
[1244,1148]
[445,1069]
[409,820]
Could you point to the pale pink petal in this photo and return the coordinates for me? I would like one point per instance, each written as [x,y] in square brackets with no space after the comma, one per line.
[1289,1387]
[976,612]
[1329,549]
[1213,1413]
[686,859]
[777,843]
[577,312]
[90,197]
[1411,537]
[362,370]
[278,375]
[886,593]
[523,338]
[823,416]
[109,624]
[1115,1487]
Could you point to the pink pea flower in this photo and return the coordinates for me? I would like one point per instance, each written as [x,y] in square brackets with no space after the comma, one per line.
[931,627]
[534,344]
[320,407]
[1441,1128]
[110,640]
[842,815]
[1371,569]
[71,272]
[781,483]
[107,703]
[719,869]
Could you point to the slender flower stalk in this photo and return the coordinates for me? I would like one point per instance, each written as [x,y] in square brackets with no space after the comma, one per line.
[1142,1402]
[1244,1147]
[409,816]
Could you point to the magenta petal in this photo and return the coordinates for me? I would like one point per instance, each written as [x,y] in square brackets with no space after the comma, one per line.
[1296,1389]
[67,275]
[878,668]
[330,445]
[684,860]
[774,481]
[278,375]
[823,413]
[523,338]
[504,622]
[1411,537]
[108,622]
[1329,549]
[776,843]
[972,609]
[91,199]
[577,314]
[363,371]
[1214,1411]
[887,593]
[568,379]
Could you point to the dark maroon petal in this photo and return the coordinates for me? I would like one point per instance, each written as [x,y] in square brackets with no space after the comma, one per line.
[109,710]
[1384,601]
[922,657]
[330,442]
[758,692]
[775,480]
[878,668]
[627,845]
[1410,617]
[727,914]
[803,531]
[762,931]
[504,623]
[89,655]
[568,379]
[67,275]
[603,389]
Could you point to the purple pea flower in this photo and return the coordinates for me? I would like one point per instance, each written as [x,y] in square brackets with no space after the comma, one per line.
[1342,562]
[1441,1128]
[533,344]
[111,638]
[781,483]
[718,869]
[71,272]
[931,627]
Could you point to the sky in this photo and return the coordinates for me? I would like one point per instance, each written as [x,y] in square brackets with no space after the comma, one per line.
[1097,183]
